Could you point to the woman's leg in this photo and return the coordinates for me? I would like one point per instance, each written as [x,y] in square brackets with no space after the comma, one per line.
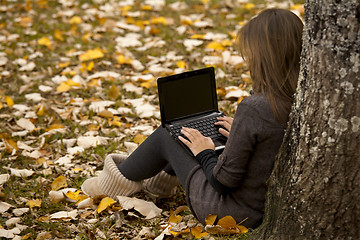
[158,150]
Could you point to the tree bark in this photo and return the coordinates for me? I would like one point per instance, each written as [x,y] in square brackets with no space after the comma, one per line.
[314,190]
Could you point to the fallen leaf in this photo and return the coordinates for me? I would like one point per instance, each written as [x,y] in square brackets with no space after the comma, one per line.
[34,203]
[21,172]
[43,236]
[64,215]
[25,124]
[4,178]
[91,54]
[227,222]
[45,41]
[210,219]
[56,196]
[55,126]
[106,114]
[105,203]
[58,183]
[139,138]
[4,206]
[197,232]
[20,211]
[9,101]
[9,233]
[59,35]
[114,92]
[75,20]
[146,208]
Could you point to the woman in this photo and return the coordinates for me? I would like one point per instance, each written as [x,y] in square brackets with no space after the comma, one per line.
[235,182]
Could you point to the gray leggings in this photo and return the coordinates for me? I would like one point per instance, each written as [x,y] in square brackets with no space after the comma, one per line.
[158,151]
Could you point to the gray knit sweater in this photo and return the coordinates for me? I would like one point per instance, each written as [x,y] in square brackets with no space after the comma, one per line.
[243,167]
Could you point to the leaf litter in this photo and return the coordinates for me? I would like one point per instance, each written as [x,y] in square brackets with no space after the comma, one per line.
[78,81]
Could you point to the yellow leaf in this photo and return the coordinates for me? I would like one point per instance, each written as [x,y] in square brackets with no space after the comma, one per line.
[54,126]
[40,161]
[121,59]
[72,83]
[91,54]
[299,8]
[155,31]
[116,123]
[249,6]
[9,101]
[174,218]
[105,203]
[221,91]
[94,83]
[63,87]
[215,46]
[41,110]
[146,8]
[64,64]
[34,203]
[59,35]
[198,36]
[181,64]
[242,229]
[45,41]
[59,183]
[75,20]
[226,42]
[205,1]
[77,169]
[148,84]
[106,114]
[139,138]
[227,222]
[43,219]
[10,144]
[1,105]
[42,3]
[114,92]
[26,21]
[73,195]
[90,66]
[210,219]
[198,233]
[92,127]
[180,209]
[158,20]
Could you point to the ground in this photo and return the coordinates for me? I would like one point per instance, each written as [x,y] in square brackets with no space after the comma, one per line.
[78,81]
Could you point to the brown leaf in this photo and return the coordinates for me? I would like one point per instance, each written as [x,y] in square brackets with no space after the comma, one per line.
[114,92]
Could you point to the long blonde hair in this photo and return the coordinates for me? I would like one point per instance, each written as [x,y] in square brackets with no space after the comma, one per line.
[270,44]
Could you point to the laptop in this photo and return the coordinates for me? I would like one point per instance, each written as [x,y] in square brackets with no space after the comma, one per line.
[189,99]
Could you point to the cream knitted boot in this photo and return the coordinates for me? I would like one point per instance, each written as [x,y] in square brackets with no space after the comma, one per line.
[110,181]
[162,185]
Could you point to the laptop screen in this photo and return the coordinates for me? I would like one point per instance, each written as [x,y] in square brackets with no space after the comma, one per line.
[187,94]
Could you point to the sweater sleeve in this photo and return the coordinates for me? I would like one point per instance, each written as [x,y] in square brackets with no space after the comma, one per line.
[231,169]
[208,160]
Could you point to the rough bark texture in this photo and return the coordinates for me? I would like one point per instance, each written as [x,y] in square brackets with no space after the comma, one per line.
[314,191]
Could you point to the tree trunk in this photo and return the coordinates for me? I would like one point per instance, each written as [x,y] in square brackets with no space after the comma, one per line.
[314,190]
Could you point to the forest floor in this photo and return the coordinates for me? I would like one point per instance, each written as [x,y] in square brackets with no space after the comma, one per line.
[78,81]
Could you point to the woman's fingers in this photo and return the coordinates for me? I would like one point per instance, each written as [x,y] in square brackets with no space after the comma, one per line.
[224,132]
[226,125]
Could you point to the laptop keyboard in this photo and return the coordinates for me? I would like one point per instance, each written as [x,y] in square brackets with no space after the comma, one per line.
[205,126]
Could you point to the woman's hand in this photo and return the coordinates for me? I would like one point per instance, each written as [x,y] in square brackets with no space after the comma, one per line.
[198,142]
[226,122]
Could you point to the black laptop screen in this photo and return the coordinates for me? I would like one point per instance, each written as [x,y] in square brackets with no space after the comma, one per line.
[187,95]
